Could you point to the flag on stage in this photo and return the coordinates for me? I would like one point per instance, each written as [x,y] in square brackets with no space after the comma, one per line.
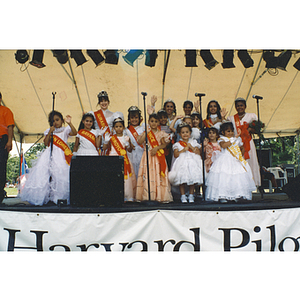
[23,171]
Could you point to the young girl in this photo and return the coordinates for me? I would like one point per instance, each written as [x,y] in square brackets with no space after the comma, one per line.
[48,180]
[133,130]
[187,168]
[211,147]
[196,120]
[230,177]
[215,115]
[119,144]
[160,189]
[88,139]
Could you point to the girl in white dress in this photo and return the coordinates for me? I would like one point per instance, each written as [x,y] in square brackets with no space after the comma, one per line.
[230,176]
[119,144]
[187,168]
[48,180]
[133,130]
[88,139]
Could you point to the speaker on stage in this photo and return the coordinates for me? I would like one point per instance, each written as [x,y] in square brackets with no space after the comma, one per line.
[292,188]
[97,181]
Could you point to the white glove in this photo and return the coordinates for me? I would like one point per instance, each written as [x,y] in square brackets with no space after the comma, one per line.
[101,131]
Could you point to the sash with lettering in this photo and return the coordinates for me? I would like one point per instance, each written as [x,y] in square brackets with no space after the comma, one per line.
[101,120]
[160,154]
[134,134]
[245,135]
[121,152]
[184,144]
[89,136]
[58,142]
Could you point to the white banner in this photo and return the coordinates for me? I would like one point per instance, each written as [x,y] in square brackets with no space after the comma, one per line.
[158,230]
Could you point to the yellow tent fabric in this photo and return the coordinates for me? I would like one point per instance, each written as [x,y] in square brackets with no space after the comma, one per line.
[27,90]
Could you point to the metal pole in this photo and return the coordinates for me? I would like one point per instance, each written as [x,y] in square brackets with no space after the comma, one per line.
[147,158]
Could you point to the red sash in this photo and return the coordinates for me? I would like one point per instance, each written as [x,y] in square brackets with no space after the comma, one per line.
[134,134]
[160,154]
[184,144]
[101,120]
[121,152]
[245,135]
[89,136]
[206,124]
[58,142]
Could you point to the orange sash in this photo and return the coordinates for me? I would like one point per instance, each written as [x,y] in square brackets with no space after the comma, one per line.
[206,124]
[160,154]
[184,144]
[58,142]
[121,152]
[101,120]
[245,135]
[134,134]
[89,136]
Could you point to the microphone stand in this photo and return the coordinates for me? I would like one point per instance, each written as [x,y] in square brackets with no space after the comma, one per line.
[202,142]
[51,137]
[259,134]
[146,140]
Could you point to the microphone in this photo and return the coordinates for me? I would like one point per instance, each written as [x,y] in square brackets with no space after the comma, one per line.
[257,97]
[199,95]
[144,93]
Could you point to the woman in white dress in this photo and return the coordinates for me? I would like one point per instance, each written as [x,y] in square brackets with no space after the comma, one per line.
[230,176]
[241,121]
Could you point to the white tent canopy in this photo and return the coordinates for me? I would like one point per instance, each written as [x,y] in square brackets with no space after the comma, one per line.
[27,90]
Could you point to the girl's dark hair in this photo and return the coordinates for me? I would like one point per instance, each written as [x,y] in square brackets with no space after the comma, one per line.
[118,120]
[154,115]
[162,113]
[165,104]
[188,102]
[225,126]
[218,109]
[240,100]
[52,114]
[81,125]
[102,96]
[196,114]
[215,130]
[132,111]
[182,125]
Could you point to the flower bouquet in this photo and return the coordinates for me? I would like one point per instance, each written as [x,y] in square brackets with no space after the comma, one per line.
[257,127]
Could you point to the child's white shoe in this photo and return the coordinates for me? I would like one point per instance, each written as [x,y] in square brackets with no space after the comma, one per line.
[191,198]
[183,199]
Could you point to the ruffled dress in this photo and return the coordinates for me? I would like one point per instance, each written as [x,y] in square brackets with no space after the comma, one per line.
[160,188]
[228,178]
[136,155]
[48,180]
[187,168]
[86,148]
[212,151]
[129,181]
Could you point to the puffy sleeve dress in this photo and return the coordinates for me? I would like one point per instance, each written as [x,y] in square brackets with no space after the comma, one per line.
[48,179]
[187,168]
[228,177]
[85,146]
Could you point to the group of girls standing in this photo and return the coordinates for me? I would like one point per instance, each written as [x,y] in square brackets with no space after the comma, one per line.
[174,153]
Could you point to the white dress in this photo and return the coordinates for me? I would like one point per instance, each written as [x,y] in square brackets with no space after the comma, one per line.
[136,155]
[252,161]
[187,167]
[228,178]
[86,148]
[39,189]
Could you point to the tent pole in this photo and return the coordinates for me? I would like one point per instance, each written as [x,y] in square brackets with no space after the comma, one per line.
[298,154]
[164,76]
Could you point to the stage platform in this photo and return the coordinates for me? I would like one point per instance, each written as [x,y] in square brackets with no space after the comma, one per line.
[269,201]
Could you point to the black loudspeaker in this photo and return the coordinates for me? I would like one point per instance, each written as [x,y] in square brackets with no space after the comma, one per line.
[292,188]
[97,181]
[266,157]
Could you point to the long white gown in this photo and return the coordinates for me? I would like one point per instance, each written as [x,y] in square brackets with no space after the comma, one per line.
[187,167]
[228,178]
[252,161]
[39,189]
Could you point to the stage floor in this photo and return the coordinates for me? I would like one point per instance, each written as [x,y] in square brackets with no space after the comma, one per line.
[269,201]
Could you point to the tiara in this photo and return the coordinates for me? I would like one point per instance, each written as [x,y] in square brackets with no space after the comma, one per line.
[118,119]
[161,111]
[169,100]
[183,124]
[133,108]
[102,94]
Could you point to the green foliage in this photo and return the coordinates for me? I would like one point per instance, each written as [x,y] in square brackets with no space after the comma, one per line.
[12,172]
